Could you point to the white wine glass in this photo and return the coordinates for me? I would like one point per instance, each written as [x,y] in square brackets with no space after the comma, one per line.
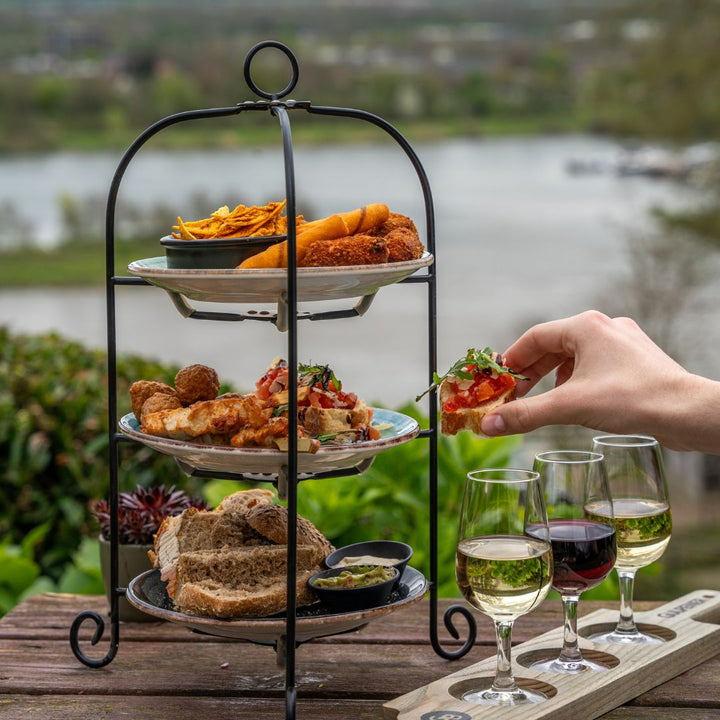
[502,569]
[643,523]
[583,549]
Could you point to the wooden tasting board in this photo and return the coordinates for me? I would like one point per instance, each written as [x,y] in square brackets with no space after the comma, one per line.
[691,625]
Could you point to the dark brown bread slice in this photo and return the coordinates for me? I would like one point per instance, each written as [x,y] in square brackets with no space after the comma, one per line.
[242,567]
[272,522]
[210,598]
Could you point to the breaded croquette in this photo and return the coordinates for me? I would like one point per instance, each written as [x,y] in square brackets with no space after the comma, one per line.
[141,390]
[196,382]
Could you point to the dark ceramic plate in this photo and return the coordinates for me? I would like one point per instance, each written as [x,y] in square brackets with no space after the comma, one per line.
[147,593]
[215,253]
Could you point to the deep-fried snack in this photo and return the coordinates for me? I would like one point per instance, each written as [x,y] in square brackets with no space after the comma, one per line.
[362,220]
[214,421]
[196,382]
[403,245]
[158,402]
[350,250]
[395,221]
[141,390]
[241,222]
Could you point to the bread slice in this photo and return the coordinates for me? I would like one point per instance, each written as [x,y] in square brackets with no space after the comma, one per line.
[248,581]
[210,598]
[468,418]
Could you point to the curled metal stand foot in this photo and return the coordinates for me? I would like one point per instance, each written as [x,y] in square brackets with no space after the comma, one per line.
[97,635]
[450,625]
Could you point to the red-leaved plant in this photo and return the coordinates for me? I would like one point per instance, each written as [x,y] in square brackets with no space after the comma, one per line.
[141,511]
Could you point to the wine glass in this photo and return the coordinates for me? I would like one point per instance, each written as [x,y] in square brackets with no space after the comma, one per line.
[502,569]
[643,524]
[583,549]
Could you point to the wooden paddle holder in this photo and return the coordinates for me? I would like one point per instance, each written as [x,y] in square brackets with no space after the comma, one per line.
[690,625]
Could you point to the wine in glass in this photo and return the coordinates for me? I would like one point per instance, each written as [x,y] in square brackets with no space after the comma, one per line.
[643,524]
[583,549]
[502,569]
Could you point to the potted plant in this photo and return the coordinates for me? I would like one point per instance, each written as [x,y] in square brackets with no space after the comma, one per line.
[140,513]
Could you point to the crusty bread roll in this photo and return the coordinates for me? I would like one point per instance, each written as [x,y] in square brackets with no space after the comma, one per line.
[271,521]
[451,422]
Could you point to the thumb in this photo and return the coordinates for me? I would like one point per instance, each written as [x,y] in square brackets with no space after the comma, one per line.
[526,414]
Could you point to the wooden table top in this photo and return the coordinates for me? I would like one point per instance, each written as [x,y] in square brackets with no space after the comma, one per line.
[164,671]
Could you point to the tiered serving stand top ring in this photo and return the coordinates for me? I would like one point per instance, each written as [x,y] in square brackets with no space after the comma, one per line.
[286,287]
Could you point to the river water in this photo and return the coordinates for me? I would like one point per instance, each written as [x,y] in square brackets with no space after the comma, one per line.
[518,240]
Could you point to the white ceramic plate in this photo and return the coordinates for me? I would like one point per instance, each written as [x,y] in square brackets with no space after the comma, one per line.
[221,458]
[265,285]
[147,593]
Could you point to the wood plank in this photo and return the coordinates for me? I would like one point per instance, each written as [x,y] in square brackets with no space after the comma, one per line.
[50,616]
[694,619]
[88,707]
[37,667]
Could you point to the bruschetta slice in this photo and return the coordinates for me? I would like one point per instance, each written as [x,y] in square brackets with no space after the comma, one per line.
[474,385]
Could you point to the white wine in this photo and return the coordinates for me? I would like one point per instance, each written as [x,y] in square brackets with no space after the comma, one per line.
[504,576]
[642,529]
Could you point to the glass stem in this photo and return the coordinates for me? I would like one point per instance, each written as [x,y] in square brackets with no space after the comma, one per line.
[504,680]
[570,652]
[626,623]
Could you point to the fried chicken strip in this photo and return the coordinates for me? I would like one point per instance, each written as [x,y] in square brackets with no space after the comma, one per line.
[350,250]
[220,417]
[273,434]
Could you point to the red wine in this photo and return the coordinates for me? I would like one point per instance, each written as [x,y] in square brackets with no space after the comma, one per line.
[583,553]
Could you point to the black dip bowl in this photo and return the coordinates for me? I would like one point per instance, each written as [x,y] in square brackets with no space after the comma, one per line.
[347,599]
[219,253]
[396,553]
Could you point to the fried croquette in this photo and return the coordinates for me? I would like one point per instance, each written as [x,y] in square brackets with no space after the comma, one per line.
[196,382]
[160,401]
[141,390]
[350,250]
[403,245]
[395,221]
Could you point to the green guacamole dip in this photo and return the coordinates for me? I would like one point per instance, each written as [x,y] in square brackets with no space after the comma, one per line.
[360,576]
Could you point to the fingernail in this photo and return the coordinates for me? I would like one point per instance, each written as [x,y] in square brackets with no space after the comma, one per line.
[493,424]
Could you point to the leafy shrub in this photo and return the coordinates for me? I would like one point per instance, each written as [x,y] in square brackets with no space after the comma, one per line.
[54,455]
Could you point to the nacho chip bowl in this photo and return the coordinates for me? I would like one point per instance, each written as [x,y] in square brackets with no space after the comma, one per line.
[215,253]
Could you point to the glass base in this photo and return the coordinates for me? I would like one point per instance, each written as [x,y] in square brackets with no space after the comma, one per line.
[627,637]
[555,665]
[505,698]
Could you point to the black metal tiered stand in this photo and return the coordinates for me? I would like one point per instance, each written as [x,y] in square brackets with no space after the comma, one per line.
[285,319]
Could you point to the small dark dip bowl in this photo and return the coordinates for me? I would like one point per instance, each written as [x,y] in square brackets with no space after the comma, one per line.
[346,599]
[399,552]
[221,253]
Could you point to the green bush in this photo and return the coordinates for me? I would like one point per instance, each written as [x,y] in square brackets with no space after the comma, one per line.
[54,454]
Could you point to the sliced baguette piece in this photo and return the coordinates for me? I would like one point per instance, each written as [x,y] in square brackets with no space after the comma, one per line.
[210,598]
[241,567]
[191,530]
[468,418]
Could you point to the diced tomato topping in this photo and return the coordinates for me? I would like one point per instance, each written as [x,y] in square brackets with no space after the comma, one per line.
[275,379]
[483,389]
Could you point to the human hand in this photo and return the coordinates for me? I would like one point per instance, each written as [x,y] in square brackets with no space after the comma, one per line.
[609,376]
